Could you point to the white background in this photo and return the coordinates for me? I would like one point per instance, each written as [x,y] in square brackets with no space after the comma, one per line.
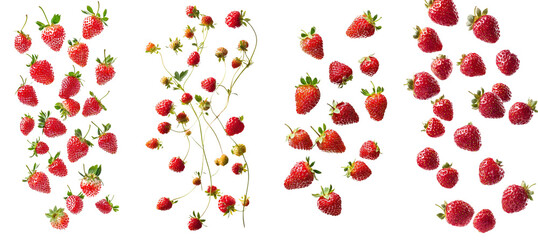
[397,200]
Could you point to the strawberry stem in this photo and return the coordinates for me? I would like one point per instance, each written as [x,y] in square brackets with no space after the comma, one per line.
[48,23]
[24,23]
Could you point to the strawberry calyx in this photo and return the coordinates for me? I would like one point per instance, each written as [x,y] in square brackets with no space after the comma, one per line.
[73,42]
[102,132]
[78,134]
[440,56]
[320,132]
[55,214]
[107,59]
[308,81]
[152,48]
[532,105]
[89,11]
[461,59]
[53,21]
[99,100]
[437,100]
[52,159]
[63,111]
[76,74]
[499,163]
[43,117]
[475,102]
[33,146]
[197,216]
[305,35]
[93,173]
[34,58]
[311,169]
[375,90]
[366,59]
[22,85]
[418,31]
[348,168]
[372,20]
[31,172]
[428,3]
[115,208]
[527,189]
[70,193]
[334,109]
[471,19]
[443,208]
[195,13]
[447,165]
[213,191]
[325,192]
[175,45]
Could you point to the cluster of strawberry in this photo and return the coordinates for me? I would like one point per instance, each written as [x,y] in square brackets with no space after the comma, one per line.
[41,71]
[307,96]
[490,104]
[234,125]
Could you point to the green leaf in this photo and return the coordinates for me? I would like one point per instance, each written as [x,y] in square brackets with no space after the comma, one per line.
[104,14]
[183,75]
[55,19]
[89,9]
[198,98]
[176,75]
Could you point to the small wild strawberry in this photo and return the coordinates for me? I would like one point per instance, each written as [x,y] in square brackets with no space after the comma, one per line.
[363,26]
[164,127]
[221,53]
[207,21]
[193,59]
[235,19]
[227,204]
[189,32]
[209,84]
[195,222]
[239,150]
[165,107]
[165,203]
[186,98]
[236,62]
[234,126]
[192,12]
[154,143]
[329,202]
[312,44]
[242,46]
[176,164]
[238,168]
[213,191]
[152,48]
[182,118]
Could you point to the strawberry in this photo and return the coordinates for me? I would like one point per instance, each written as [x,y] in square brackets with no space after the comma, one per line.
[23,42]
[457,213]
[484,221]
[343,113]
[165,107]
[423,85]
[93,106]
[329,141]
[221,53]
[165,203]
[52,127]
[307,95]
[189,32]
[299,139]
[242,46]
[78,52]
[176,45]
[74,203]
[209,84]
[236,62]
[238,168]
[26,94]
[428,159]
[193,59]
[207,21]
[213,191]
[442,108]
[447,176]
[239,150]
[507,62]
[70,85]
[52,34]
[521,113]
[58,218]
[235,19]
[91,183]
[369,150]
[244,201]
[468,138]
[227,204]
[27,124]
[488,104]
[154,143]
[357,170]
[192,12]
[38,147]
[182,118]
[428,40]
[340,73]
[441,66]
[485,27]
[434,128]
[503,91]
[312,44]
[442,12]
[37,180]
[471,65]
[164,127]
[195,222]
[375,103]
[363,26]
[186,98]
[234,126]
[369,65]
[515,197]
[104,72]
[301,175]
[41,71]
[196,181]
[68,108]
[57,166]
[93,24]
[329,202]
[107,140]
[78,146]
[222,160]
[152,48]
[176,164]
[105,205]
[490,171]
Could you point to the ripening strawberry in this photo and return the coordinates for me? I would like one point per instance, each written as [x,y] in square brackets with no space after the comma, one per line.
[176,164]
[52,33]
[369,65]
[213,191]
[490,171]
[363,26]
[312,44]
[227,204]
[91,183]
[442,12]
[485,27]
[443,109]
[78,52]
[369,150]
[301,175]
[521,113]
[236,62]
[434,128]
[154,143]
[234,126]
[299,139]
[457,213]
[68,108]
[207,21]
[488,104]
[428,159]
[186,98]
[340,73]
[192,12]
[93,106]
[41,71]
[468,138]
[57,166]
[23,42]
[484,221]
[343,113]
[307,95]
[107,140]
[209,84]
[329,140]
[105,205]
[507,62]
[38,147]
[70,85]
[52,127]
[503,91]
[74,203]
[515,197]
[104,72]
[37,181]
[471,65]
[329,202]
[239,150]
[58,218]
[375,103]
[423,85]
[447,176]
[358,170]
[441,66]
[93,24]
[26,94]
[77,146]
[428,40]
[235,19]
[193,59]
[238,168]
[27,124]
[195,222]
[242,46]
[182,118]
[189,32]
[165,203]
[164,127]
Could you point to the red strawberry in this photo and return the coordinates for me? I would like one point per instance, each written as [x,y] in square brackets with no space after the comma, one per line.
[189,32]
[165,203]
[441,66]
[176,164]
[507,62]
[26,94]
[182,118]
[236,62]
[93,24]
[70,84]
[484,221]
[515,197]
[468,138]
[375,103]
[423,85]
[238,168]
[68,108]
[521,113]
[152,48]
[340,73]
[428,159]
[307,95]
[434,128]
[442,108]
[363,26]
[329,202]
[343,113]
[186,98]
[78,146]
[93,106]
[235,19]
[369,150]
[37,180]
[154,143]
[503,91]
[457,213]
[207,21]
[485,27]
[471,65]
[91,183]
[299,139]
[329,141]
[52,127]
[428,40]
[244,201]
[212,191]
[490,171]
[195,222]
[78,52]
[58,218]
[105,205]
[357,170]
[74,203]
[57,166]
[38,147]
[107,140]
[41,71]
[165,107]
[301,175]
[369,65]
[312,44]
[209,84]
[193,59]
[104,72]
[192,12]
[227,204]
[488,104]
[442,12]
[234,126]
[52,34]
[164,127]
[447,176]
[23,42]
[27,124]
